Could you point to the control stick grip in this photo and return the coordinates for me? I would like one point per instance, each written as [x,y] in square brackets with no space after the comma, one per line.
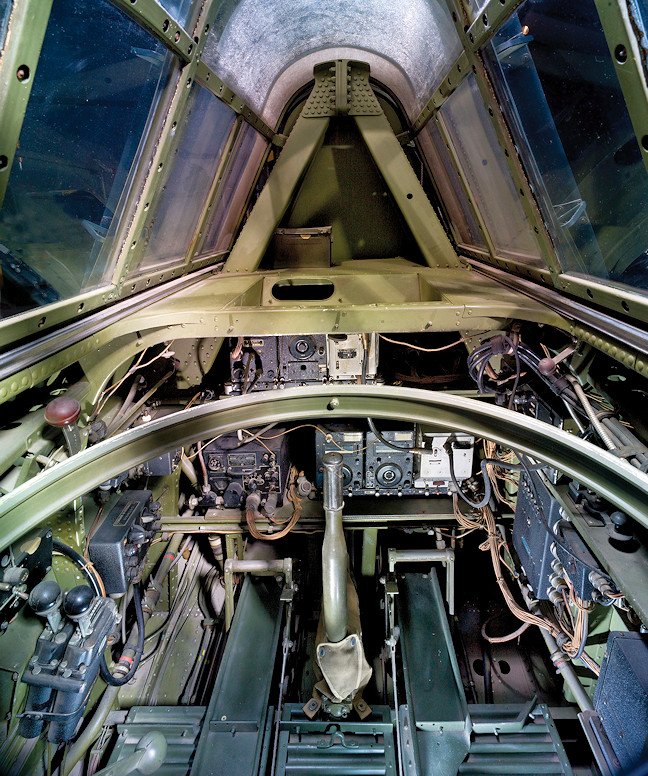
[332,495]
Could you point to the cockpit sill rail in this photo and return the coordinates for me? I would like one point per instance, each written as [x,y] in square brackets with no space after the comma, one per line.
[26,507]
[33,351]
[624,333]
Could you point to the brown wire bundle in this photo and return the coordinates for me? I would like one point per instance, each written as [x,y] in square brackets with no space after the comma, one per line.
[576,636]
[250,515]
[493,544]
[496,475]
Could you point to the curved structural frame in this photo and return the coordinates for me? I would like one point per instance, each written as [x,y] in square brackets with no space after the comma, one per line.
[613,478]
[252,42]
[298,74]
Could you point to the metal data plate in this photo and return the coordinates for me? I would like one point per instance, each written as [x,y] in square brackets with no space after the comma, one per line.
[346,354]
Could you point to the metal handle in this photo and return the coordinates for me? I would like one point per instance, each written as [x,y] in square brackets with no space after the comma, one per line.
[334,553]
[332,495]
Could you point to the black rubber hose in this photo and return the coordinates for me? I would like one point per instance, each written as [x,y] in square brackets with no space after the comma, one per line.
[488,677]
[474,364]
[479,358]
[119,681]
[78,561]
[480,378]
[379,436]
[518,369]
[487,485]
[513,467]
[581,647]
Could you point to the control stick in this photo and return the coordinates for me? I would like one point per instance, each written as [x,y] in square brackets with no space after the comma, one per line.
[334,552]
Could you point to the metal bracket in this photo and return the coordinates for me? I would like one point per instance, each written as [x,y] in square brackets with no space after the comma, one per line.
[342,88]
[322,100]
[27,26]
[604,756]
[336,735]
[519,716]
[261,568]
[428,556]
[513,44]
[362,100]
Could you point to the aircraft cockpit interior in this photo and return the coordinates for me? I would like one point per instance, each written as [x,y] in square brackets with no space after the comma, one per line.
[323,361]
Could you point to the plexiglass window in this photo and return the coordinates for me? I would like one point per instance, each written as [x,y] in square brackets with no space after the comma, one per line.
[234,189]
[5,13]
[178,9]
[86,114]
[451,192]
[553,71]
[475,7]
[207,124]
[487,175]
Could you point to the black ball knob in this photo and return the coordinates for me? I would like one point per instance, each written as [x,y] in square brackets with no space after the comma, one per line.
[78,601]
[45,597]
[621,523]
[618,518]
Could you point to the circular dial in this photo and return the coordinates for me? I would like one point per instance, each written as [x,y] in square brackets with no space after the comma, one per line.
[389,475]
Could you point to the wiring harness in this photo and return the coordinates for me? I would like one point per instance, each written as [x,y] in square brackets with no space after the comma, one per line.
[585,408]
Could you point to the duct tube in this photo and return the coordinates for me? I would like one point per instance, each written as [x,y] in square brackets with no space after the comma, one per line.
[627,438]
[334,552]
[566,669]
[189,470]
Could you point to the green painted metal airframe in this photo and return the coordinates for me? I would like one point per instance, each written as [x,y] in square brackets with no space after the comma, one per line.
[389,295]
[613,478]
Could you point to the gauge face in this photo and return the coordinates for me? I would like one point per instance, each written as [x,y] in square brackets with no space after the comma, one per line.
[302,347]
[389,475]
[347,476]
